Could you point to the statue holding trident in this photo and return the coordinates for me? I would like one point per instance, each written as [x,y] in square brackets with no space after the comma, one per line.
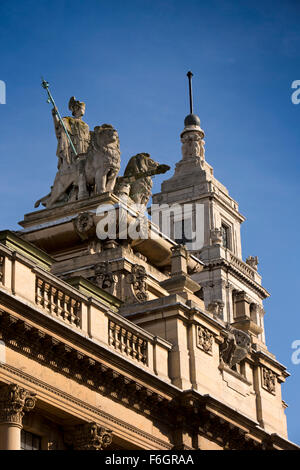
[73,138]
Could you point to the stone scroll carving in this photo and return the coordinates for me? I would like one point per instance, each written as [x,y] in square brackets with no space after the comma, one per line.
[137,279]
[235,347]
[14,402]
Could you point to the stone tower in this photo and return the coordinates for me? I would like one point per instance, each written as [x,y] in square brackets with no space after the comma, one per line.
[231,287]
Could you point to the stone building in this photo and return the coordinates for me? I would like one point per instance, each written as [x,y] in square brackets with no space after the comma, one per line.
[124,342]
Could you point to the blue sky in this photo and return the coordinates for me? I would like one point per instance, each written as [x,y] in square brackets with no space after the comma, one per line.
[127,60]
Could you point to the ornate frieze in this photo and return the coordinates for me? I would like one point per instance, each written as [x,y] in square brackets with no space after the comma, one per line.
[204,339]
[65,359]
[89,436]
[268,380]
[128,343]
[137,279]
[14,402]
[57,302]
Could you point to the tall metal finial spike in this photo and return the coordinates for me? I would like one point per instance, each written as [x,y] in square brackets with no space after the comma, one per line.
[189,75]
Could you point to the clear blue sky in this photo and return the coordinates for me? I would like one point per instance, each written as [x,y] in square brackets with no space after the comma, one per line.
[127,60]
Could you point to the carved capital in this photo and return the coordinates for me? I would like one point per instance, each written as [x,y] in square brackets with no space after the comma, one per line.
[89,436]
[14,402]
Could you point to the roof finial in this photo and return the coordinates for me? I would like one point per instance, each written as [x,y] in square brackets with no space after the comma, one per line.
[189,75]
[192,121]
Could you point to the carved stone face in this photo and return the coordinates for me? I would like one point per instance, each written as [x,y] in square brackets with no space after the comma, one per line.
[78,109]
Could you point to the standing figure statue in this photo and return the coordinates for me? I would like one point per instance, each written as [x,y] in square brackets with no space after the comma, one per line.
[69,145]
[77,129]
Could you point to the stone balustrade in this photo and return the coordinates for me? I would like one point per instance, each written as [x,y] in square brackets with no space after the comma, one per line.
[84,311]
[242,266]
[127,342]
[58,302]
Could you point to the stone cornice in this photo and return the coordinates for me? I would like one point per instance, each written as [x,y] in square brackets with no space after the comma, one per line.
[94,412]
[75,341]
[238,433]
[15,243]
[222,263]
[262,358]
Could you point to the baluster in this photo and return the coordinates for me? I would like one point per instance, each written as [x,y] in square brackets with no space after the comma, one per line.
[53,306]
[111,333]
[77,313]
[123,340]
[128,343]
[118,337]
[134,346]
[145,352]
[47,296]
[39,292]
[60,303]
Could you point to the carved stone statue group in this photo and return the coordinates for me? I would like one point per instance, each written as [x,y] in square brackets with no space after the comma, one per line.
[94,168]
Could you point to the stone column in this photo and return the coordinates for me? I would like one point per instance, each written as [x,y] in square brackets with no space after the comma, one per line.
[14,402]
